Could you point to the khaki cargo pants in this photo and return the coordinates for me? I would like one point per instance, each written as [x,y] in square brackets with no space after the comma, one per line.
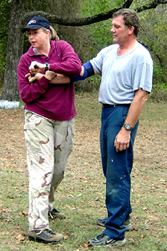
[49,144]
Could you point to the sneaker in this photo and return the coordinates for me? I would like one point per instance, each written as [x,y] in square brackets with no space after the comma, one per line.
[127,224]
[103,239]
[45,235]
[54,214]
[101,221]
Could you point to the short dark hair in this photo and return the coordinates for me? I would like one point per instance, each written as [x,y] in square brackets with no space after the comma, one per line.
[130,18]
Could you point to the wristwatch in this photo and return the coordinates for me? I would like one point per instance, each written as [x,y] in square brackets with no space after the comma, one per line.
[127,127]
[46,66]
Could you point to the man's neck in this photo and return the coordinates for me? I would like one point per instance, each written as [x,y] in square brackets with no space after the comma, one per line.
[126,47]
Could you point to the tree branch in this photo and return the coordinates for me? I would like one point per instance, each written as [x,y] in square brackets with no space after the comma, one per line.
[76,21]
[152,5]
[89,20]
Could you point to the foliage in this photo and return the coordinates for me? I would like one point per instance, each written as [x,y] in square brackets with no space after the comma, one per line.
[159,92]
[154,35]
[159,75]
[91,84]
[99,33]
[92,7]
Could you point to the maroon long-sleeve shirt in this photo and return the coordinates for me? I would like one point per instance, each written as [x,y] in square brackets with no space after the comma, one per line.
[52,101]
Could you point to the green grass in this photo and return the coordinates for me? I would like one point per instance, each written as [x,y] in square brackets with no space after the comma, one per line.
[81,195]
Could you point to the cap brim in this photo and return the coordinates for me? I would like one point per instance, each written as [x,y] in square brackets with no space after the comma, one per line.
[31,27]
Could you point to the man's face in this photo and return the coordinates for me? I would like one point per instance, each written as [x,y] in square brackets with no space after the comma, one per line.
[119,30]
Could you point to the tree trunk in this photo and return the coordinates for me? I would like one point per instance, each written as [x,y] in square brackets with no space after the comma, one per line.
[14,51]
[74,35]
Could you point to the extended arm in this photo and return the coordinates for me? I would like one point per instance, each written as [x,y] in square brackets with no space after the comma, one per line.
[87,71]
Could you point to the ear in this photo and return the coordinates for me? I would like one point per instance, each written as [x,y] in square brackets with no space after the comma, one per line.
[47,32]
[131,29]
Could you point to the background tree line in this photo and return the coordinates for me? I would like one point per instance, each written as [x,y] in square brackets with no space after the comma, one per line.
[85,24]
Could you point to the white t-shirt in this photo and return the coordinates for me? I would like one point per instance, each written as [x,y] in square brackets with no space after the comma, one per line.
[122,75]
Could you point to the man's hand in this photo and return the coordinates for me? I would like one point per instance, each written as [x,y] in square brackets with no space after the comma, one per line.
[122,140]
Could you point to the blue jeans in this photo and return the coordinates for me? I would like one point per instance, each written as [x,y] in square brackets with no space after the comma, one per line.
[117,167]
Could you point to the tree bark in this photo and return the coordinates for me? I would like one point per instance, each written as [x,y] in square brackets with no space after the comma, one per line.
[14,51]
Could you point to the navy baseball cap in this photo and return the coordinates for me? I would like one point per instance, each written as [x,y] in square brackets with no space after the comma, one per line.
[36,23]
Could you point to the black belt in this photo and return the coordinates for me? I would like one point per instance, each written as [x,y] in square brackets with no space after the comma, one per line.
[108,106]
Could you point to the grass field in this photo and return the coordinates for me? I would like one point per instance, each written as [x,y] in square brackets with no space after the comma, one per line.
[81,195]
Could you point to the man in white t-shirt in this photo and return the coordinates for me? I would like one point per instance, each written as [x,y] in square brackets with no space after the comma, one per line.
[126,70]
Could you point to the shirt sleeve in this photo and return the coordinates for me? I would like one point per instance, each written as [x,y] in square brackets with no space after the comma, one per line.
[97,62]
[70,63]
[143,77]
